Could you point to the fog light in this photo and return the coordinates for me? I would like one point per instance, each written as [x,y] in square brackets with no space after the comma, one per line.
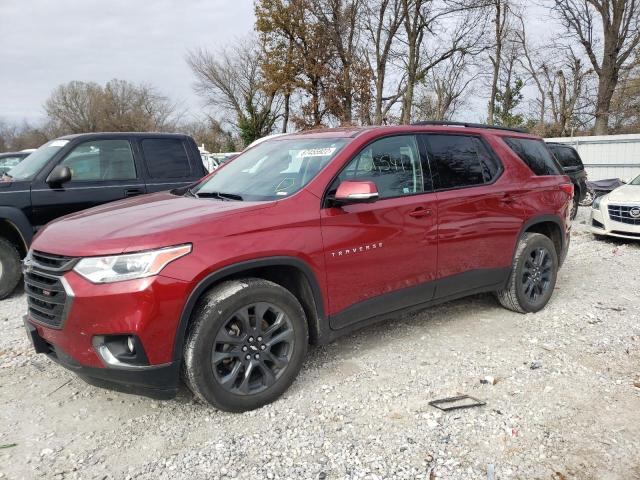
[120,351]
[131,345]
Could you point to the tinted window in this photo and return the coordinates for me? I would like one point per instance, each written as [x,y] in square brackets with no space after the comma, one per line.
[392,163]
[166,158]
[461,161]
[566,156]
[101,160]
[535,154]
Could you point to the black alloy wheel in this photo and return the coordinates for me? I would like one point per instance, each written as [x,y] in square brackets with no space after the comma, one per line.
[245,344]
[537,274]
[252,349]
[533,276]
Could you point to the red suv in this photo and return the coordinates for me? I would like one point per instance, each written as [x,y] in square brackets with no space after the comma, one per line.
[298,240]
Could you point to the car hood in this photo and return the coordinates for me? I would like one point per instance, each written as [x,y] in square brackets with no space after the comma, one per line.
[626,193]
[142,223]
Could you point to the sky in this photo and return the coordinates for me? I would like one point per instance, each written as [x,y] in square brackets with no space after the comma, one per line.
[44,43]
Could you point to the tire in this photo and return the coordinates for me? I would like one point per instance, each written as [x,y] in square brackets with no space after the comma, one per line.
[10,270]
[226,359]
[531,285]
[574,208]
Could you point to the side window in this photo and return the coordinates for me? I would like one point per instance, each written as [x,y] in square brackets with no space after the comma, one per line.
[535,154]
[461,161]
[392,163]
[566,156]
[166,158]
[101,160]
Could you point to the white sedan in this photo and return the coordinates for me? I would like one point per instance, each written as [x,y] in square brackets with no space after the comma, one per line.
[618,213]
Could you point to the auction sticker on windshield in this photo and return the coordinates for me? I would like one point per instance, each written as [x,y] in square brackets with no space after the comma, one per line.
[317,152]
[58,143]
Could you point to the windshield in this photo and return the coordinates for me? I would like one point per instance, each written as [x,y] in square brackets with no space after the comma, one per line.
[31,165]
[272,170]
[635,181]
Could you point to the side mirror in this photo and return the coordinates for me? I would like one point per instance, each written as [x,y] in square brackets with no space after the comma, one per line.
[355,192]
[59,175]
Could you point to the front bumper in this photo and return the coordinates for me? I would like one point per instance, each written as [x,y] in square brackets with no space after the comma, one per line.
[601,223]
[148,309]
[161,382]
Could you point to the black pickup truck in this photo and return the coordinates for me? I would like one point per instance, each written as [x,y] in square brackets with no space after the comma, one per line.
[76,172]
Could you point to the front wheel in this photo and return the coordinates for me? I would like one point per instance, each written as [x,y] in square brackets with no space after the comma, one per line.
[533,275]
[245,345]
[10,272]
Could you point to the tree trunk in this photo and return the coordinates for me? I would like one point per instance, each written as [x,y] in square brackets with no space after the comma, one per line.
[287,107]
[606,86]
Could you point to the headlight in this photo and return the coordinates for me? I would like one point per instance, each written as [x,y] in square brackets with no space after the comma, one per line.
[596,202]
[116,268]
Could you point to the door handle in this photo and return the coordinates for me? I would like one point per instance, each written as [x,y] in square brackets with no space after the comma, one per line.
[420,212]
[132,192]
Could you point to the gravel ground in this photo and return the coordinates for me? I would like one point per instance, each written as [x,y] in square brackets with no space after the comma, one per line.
[566,403]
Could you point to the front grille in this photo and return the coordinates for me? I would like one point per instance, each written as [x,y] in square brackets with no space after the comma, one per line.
[622,214]
[47,298]
[52,262]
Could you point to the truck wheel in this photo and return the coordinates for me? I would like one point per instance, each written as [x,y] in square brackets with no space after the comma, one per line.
[533,275]
[574,208]
[10,272]
[245,344]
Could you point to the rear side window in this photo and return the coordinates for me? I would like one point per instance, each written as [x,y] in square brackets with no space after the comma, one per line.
[166,158]
[535,154]
[566,156]
[461,161]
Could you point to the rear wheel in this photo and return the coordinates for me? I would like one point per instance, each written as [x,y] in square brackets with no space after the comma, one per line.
[574,207]
[10,272]
[246,344]
[533,275]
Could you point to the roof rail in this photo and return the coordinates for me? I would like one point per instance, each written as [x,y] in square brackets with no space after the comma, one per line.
[469,125]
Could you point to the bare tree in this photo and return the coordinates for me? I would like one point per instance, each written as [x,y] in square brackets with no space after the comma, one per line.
[446,88]
[502,28]
[427,44]
[609,31]
[383,21]
[78,107]
[565,78]
[74,106]
[533,63]
[233,81]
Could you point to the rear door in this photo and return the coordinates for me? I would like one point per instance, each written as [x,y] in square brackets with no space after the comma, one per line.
[168,163]
[479,216]
[102,170]
[381,256]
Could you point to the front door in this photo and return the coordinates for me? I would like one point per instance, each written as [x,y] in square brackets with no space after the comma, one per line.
[381,256]
[101,171]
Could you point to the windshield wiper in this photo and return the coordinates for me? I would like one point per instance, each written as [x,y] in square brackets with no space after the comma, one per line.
[218,195]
